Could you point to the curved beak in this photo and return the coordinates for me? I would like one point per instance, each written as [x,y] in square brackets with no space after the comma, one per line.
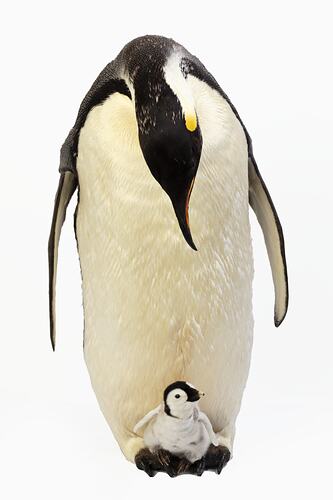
[181,208]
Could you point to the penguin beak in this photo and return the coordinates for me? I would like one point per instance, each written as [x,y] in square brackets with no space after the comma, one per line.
[181,208]
[195,396]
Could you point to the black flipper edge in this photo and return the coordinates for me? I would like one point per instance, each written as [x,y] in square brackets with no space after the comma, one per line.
[259,198]
[66,188]
[262,204]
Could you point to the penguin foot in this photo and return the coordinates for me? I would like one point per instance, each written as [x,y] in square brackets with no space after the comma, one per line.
[166,459]
[160,461]
[216,458]
[145,460]
[198,467]
[183,466]
[175,466]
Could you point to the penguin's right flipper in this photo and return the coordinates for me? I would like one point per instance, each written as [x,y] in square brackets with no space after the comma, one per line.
[67,186]
[151,414]
[262,204]
[108,82]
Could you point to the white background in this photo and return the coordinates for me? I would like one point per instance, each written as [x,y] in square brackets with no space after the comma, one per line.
[274,59]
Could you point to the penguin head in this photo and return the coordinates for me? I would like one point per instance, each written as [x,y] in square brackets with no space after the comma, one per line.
[169,137]
[180,398]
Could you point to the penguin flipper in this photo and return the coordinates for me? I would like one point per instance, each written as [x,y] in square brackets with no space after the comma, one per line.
[259,198]
[151,414]
[262,204]
[66,187]
[206,422]
[107,82]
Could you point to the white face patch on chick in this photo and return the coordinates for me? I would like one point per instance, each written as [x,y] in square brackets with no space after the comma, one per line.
[176,401]
[181,399]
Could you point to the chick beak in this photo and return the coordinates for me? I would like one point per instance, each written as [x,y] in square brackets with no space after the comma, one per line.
[181,208]
[195,395]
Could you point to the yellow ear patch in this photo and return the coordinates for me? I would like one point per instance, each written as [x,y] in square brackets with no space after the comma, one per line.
[191,122]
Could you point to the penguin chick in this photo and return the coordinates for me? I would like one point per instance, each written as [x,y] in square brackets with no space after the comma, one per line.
[177,425]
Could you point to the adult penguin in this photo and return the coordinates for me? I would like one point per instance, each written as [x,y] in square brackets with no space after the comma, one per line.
[154,130]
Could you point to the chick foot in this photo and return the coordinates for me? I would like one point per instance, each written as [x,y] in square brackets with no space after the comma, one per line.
[216,458]
[164,461]
[145,460]
[168,461]
[160,461]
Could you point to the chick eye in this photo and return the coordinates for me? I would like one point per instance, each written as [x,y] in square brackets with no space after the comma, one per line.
[177,396]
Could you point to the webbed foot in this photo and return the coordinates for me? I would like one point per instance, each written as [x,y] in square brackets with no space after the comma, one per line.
[198,467]
[145,460]
[168,461]
[216,458]
[164,461]
[184,466]
[160,461]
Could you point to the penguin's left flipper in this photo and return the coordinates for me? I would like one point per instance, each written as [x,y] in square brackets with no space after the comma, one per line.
[206,422]
[66,187]
[259,198]
[262,204]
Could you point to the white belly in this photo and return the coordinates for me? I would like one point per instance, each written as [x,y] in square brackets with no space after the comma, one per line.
[156,311]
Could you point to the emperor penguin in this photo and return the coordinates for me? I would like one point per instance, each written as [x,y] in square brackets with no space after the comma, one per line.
[165,170]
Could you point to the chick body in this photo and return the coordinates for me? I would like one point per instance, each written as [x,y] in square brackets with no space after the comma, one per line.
[182,437]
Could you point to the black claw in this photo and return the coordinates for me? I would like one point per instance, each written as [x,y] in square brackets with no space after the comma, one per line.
[216,458]
[200,466]
[146,461]
[168,462]
[170,472]
[164,457]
